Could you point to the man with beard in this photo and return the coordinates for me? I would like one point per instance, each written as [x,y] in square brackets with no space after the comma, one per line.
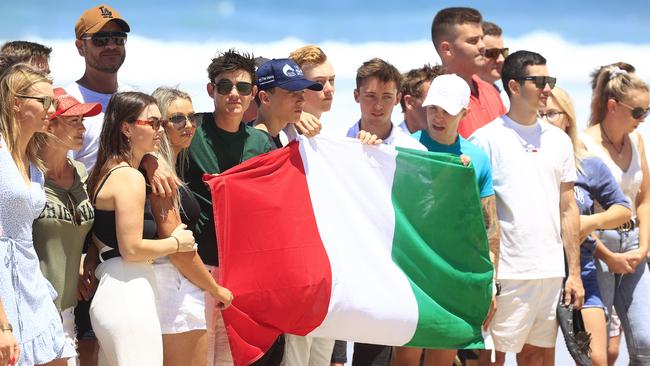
[101,34]
[458,38]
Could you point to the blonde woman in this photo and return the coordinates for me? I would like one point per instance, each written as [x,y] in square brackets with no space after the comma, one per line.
[182,277]
[27,101]
[123,311]
[595,185]
[619,104]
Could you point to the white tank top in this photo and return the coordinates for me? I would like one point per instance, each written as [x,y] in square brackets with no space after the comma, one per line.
[629,180]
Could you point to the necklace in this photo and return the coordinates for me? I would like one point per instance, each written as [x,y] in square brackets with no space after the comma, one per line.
[609,141]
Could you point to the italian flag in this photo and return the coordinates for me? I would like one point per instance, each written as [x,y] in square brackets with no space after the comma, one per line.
[331,238]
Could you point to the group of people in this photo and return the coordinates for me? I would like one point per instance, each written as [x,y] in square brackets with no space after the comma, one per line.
[108,239]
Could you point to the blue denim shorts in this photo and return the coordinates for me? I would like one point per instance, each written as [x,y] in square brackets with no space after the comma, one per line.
[589,276]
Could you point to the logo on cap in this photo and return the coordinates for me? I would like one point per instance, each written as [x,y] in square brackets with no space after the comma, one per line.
[290,71]
[105,12]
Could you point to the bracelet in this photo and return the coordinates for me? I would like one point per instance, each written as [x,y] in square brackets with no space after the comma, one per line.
[7,328]
[178,243]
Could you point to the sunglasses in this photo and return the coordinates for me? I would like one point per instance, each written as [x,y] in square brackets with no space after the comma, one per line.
[180,120]
[47,101]
[74,212]
[102,39]
[495,52]
[540,81]
[637,112]
[224,87]
[153,123]
[551,116]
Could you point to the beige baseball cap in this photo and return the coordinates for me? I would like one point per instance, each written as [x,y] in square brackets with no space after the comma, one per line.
[94,19]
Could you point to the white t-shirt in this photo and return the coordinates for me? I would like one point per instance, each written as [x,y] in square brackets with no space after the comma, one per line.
[397,137]
[528,165]
[87,155]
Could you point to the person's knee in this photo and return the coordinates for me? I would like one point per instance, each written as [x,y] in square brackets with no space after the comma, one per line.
[405,356]
[531,355]
[485,358]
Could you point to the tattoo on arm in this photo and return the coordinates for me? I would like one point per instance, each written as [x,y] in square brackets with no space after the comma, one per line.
[492,228]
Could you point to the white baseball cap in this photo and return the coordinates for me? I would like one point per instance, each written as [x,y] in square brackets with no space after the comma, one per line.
[448,92]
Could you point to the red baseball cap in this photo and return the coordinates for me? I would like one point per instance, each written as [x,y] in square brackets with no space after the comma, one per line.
[70,106]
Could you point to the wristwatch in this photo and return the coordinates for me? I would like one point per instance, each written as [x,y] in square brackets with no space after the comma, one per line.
[498,286]
[7,328]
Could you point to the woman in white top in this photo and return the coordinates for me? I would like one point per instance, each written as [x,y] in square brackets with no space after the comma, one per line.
[619,104]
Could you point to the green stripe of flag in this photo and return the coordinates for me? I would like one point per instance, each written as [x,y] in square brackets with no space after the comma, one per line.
[442,250]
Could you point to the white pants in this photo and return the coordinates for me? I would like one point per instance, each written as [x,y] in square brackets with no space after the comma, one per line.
[70,332]
[123,315]
[307,351]
[219,353]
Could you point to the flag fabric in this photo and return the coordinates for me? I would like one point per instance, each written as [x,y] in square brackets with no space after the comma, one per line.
[331,238]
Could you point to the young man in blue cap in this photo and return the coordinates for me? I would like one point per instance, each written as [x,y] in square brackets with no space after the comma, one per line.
[280,99]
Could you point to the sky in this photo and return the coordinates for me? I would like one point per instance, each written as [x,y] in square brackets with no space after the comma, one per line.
[171,42]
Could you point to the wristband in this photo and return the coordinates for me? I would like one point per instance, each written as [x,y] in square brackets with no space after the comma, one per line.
[178,243]
[7,328]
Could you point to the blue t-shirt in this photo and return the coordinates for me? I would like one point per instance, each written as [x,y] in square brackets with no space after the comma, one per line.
[479,158]
[596,184]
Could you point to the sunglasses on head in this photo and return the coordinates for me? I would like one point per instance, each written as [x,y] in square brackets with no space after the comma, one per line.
[224,87]
[180,120]
[495,52]
[153,123]
[540,81]
[46,100]
[637,112]
[102,39]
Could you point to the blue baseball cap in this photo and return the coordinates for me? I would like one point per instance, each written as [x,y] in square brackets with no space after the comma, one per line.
[283,73]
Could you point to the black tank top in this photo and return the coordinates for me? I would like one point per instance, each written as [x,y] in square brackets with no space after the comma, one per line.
[190,209]
[104,226]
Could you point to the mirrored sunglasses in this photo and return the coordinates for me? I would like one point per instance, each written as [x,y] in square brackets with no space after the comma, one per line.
[153,123]
[101,39]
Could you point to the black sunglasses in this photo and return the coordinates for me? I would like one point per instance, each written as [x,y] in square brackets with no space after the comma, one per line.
[495,52]
[540,81]
[102,39]
[637,112]
[180,120]
[46,100]
[224,87]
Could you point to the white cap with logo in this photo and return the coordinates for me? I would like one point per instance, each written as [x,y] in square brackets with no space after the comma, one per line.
[448,92]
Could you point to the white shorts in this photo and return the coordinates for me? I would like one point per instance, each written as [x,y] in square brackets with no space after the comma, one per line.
[526,312]
[614,324]
[181,304]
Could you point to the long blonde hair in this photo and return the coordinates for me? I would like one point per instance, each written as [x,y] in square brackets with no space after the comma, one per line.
[563,99]
[165,96]
[612,83]
[17,80]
